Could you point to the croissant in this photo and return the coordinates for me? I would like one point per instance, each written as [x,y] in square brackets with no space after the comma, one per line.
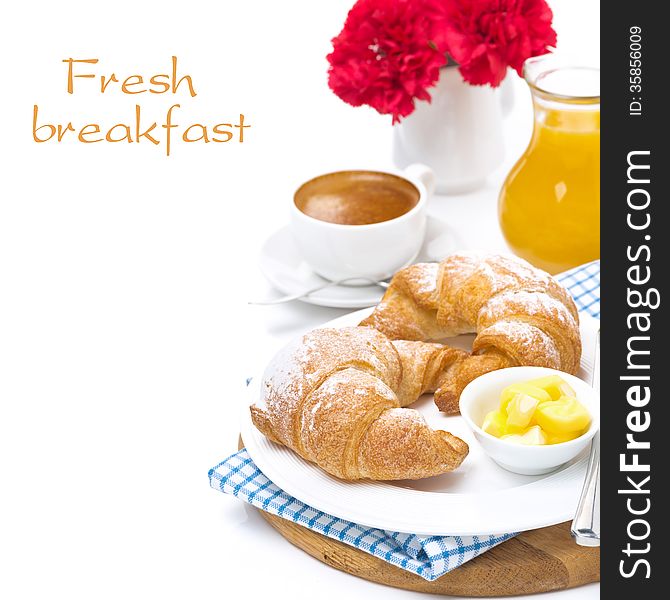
[521,315]
[337,396]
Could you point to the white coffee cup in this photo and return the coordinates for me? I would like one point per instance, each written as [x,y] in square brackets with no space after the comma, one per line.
[371,251]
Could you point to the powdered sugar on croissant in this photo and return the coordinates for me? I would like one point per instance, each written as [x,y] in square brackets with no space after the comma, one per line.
[336,397]
[521,315]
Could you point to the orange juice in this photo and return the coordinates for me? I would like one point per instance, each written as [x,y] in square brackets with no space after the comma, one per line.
[549,206]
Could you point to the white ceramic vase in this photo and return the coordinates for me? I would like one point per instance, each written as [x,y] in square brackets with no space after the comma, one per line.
[458,134]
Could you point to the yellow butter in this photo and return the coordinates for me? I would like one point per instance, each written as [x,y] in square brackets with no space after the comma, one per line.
[495,423]
[533,436]
[520,410]
[565,415]
[563,437]
[522,388]
[554,385]
[538,412]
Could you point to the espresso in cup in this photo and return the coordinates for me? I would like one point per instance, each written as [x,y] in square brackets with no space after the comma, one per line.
[356,197]
[361,225]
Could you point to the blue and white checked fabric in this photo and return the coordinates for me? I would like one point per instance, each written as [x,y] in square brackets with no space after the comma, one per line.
[427,556]
[584,285]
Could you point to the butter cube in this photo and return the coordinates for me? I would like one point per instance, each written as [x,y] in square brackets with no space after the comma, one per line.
[522,388]
[554,385]
[563,416]
[494,423]
[533,436]
[521,410]
[563,437]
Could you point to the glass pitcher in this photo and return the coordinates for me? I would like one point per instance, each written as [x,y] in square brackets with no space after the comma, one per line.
[549,206]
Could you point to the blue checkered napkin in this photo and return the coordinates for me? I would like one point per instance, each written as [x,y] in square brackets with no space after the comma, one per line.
[584,285]
[429,557]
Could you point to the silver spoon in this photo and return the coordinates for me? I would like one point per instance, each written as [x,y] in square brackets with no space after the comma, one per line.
[586,524]
[283,299]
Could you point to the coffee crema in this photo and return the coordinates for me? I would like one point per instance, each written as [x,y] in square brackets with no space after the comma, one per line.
[356,197]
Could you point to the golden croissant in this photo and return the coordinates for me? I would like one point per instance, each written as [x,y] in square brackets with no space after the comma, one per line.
[521,315]
[337,398]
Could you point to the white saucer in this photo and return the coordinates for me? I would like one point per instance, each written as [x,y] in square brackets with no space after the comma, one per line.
[285,269]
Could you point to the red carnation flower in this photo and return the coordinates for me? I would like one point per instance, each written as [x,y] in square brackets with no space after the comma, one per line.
[486,36]
[384,56]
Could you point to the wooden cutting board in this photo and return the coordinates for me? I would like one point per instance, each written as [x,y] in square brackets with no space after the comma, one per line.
[541,560]
[535,561]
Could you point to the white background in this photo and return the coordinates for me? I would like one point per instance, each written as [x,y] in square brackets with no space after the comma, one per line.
[125,336]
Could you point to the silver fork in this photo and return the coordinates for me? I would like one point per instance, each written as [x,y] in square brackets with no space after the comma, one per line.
[586,524]
[292,297]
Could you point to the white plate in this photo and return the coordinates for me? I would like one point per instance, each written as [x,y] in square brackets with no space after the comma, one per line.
[285,269]
[478,498]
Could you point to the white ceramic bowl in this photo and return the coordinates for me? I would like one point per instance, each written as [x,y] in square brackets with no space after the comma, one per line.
[483,395]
